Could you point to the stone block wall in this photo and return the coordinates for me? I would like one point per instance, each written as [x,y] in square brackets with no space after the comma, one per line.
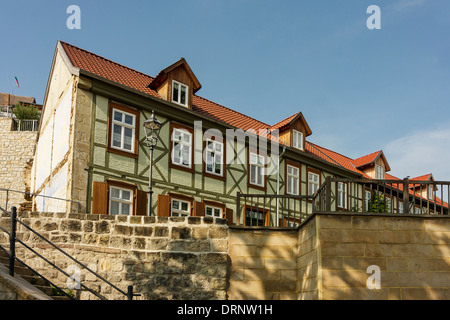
[163,258]
[411,252]
[263,264]
[308,262]
[202,258]
[16,154]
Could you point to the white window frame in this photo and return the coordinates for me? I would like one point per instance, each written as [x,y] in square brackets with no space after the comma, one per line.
[292,180]
[367,200]
[313,185]
[213,209]
[123,125]
[179,144]
[297,139]
[179,212]
[342,195]
[379,172]
[401,207]
[430,192]
[259,166]
[120,200]
[213,153]
[178,98]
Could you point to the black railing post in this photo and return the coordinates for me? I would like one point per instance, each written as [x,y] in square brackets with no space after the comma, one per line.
[238,208]
[12,241]
[130,294]
[406,195]
[328,194]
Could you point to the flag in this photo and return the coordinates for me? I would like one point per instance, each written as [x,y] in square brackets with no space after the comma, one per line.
[17,82]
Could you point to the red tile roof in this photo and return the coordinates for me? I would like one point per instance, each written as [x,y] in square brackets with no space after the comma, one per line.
[365,159]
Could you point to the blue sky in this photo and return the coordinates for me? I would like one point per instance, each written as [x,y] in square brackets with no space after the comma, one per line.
[360,90]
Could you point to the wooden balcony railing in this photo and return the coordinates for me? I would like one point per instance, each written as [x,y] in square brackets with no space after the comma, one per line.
[345,195]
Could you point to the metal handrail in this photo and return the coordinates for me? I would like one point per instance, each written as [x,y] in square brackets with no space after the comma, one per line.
[29,194]
[129,294]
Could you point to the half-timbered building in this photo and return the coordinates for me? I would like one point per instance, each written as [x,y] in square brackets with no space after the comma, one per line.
[91,149]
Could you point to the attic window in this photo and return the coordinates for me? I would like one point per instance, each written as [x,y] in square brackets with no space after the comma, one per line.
[297,139]
[179,93]
[379,172]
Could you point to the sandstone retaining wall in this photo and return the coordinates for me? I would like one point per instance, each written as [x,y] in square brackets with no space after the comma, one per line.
[163,258]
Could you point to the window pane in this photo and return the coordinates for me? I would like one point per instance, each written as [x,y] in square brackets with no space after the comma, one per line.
[117,116]
[208,211]
[115,193]
[127,144]
[175,204]
[175,92]
[117,136]
[114,208]
[183,95]
[126,195]
[126,208]
[184,206]
[185,155]
[129,119]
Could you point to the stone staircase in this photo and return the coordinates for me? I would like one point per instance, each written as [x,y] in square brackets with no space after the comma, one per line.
[28,275]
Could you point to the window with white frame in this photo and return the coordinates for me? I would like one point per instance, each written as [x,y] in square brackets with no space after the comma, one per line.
[313,183]
[388,206]
[123,130]
[430,192]
[214,157]
[211,211]
[257,169]
[120,201]
[367,200]
[180,93]
[292,180]
[401,208]
[180,208]
[342,195]
[379,172]
[297,139]
[182,147]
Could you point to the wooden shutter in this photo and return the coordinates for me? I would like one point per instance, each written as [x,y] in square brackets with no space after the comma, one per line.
[140,206]
[229,216]
[100,198]
[199,209]
[163,205]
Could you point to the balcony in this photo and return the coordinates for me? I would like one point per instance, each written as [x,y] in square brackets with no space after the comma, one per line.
[388,197]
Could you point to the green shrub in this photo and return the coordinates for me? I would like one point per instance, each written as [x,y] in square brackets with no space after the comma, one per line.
[26,112]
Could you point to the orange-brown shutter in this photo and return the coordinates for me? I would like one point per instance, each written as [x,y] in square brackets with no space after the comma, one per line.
[199,209]
[141,203]
[163,205]
[100,198]
[229,216]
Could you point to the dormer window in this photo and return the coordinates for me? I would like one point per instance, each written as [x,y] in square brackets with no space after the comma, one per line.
[180,93]
[297,139]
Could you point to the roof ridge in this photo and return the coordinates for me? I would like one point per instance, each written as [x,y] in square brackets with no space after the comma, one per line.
[106,59]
